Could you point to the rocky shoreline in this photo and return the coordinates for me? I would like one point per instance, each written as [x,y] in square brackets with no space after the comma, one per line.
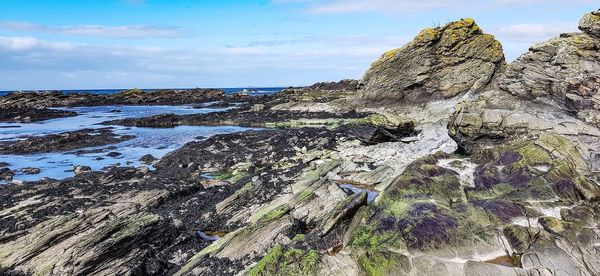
[442,160]
[64,141]
[127,97]
[28,115]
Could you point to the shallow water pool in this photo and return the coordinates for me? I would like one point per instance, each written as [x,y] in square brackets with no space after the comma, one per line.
[154,141]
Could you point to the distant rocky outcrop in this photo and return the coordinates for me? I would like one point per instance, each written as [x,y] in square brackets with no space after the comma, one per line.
[37,100]
[27,115]
[343,85]
[439,63]
[63,141]
[563,70]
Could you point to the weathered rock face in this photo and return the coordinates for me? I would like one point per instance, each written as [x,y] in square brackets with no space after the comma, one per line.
[536,149]
[565,70]
[439,63]
[343,85]
[496,116]
[590,23]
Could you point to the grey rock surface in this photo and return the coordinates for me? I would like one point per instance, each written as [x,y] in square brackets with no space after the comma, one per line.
[439,63]
[564,71]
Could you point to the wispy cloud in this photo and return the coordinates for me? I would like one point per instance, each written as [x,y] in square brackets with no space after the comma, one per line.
[120,32]
[335,41]
[31,43]
[533,32]
[33,63]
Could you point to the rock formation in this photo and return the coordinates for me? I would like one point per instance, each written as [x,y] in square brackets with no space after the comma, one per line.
[552,88]
[564,70]
[506,184]
[439,63]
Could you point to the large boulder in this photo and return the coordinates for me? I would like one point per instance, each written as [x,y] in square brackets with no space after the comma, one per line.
[439,63]
[564,71]
[590,23]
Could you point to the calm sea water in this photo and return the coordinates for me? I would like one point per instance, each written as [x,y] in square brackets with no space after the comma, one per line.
[157,142]
[249,90]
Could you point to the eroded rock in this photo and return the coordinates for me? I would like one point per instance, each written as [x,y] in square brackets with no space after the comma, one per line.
[590,23]
[439,63]
[563,70]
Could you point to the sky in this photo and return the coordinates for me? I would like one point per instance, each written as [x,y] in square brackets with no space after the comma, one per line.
[101,44]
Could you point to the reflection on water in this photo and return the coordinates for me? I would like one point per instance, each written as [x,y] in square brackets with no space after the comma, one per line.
[157,142]
[371,195]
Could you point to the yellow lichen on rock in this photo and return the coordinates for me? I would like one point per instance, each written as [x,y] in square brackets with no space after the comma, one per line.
[427,35]
[439,63]
[390,54]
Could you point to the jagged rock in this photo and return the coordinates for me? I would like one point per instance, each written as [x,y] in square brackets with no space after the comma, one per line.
[32,114]
[30,170]
[31,100]
[247,118]
[6,174]
[439,63]
[495,116]
[372,134]
[143,169]
[81,242]
[81,169]
[113,154]
[343,85]
[148,159]
[520,237]
[64,141]
[258,107]
[564,70]
[590,23]
[345,209]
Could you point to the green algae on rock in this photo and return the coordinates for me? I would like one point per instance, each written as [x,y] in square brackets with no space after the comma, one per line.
[288,261]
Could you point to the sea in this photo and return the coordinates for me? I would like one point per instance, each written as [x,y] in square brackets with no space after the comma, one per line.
[156,141]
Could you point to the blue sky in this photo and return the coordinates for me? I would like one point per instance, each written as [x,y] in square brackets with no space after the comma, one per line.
[68,44]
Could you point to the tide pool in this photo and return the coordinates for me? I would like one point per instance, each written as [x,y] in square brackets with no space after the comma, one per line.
[154,141]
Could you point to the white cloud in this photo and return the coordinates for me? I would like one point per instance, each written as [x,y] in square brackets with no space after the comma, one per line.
[516,39]
[30,43]
[32,63]
[534,32]
[335,41]
[123,32]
